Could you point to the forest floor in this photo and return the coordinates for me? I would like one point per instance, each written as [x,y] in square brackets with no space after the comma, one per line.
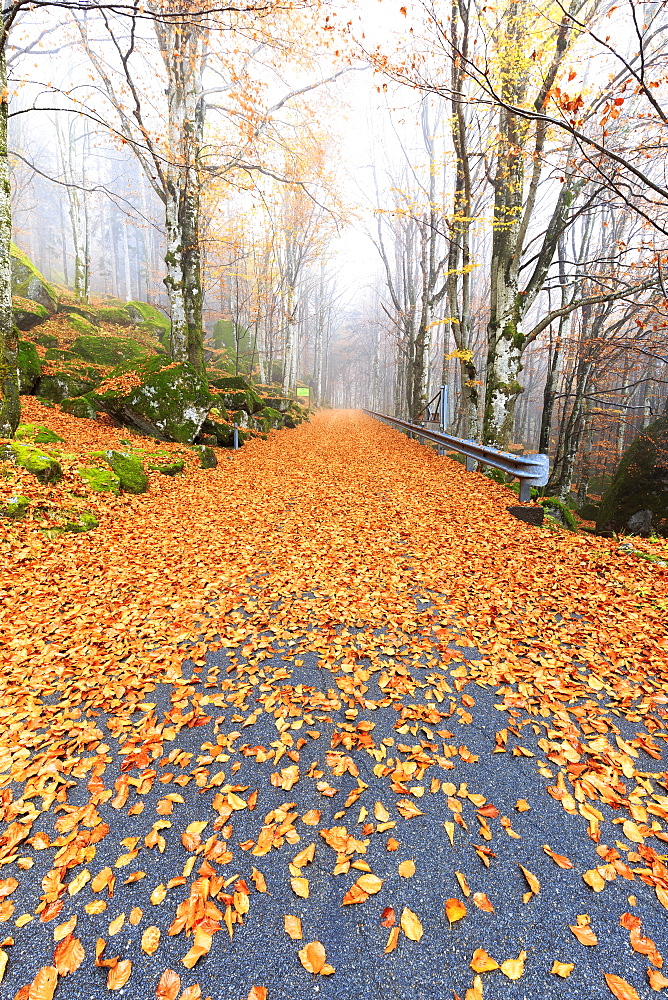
[326,721]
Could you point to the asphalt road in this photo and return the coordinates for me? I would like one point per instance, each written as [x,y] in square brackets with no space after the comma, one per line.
[261,953]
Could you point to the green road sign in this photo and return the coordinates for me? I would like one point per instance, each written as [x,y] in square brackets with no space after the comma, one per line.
[303,391]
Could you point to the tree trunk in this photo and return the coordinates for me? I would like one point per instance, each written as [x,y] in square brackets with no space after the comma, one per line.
[10,410]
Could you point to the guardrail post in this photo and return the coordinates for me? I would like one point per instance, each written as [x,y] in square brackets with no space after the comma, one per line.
[525,491]
[235,437]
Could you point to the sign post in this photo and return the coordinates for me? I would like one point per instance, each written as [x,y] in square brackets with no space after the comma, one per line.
[303,395]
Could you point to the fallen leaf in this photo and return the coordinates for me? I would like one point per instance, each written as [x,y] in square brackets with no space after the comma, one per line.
[454,910]
[388,917]
[257,993]
[300,887]
[293,927]
[313,957]
[68,955]
[513,968]
[620,988]
[522,805]
[657,980]
[562,969]
[482,901]
[118,976]
[150,940]
[407,869]
[475,993]
[585,935]
[410,925]
[532,881]
[482,962]
[392,940]
[44,984]
[168,986]
[559,859]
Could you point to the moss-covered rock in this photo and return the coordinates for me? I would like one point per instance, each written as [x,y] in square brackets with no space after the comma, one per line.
[58,354]
[588,511]
[275,402]
[558,510]
[150,320]
[45,468]
[63,385]
[73,521]
[166,399]
[118,315]
[29,367]
[37,433]
[80,407]
[44,339]
[108,350]
[28,314]
[271,419]
[640,482]
[14,507]
[100,480]
[206,455]
[83,327]
[129,470]
[168,468]
[221,431]
[29,283]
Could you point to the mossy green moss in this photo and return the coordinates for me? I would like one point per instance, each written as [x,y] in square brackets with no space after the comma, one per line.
[37,433]
[117,315]
[29,283]
[559,511]
[45,468]
[100,480]
[80,407]
[15,507]
[29,367]
[129,470]
[168,468]
[83,327]
[170,403]
[28,314]
[640,482]
[108,350]
[63,385]
[206,455]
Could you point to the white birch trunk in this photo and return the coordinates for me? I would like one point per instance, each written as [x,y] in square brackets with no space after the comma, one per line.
[10,409]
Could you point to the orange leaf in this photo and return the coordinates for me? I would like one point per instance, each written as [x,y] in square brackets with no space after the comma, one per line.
[585,935]
[68,955]
[410,924]
[407,869]
[562,969]
[168,986]
[482,962]
[257,993]
[150,940]
[313,957]
[454,910]
[620,988]
[44,984]
[392,940]
[388,917]
[657,980]
[482,901]
[118,976]
[558,859]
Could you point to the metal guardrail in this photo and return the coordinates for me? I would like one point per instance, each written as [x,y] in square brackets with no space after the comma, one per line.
[531,470]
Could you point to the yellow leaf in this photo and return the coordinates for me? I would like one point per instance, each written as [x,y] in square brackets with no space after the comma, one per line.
[79,882]
[381,813]
[463,884]
[562,969]
[370,883]
[475,993]
[304,857]
[62,930]
[158,894]
[594,879]
[513,968]
[3,963]
[293,927]
[300,887]
[631,832]
[116,925]
[407,869]
[197,826]
[135,915]
[410,925]
[96,907]
[44,984]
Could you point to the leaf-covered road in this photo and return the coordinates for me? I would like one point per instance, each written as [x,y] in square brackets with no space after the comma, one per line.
[431,736]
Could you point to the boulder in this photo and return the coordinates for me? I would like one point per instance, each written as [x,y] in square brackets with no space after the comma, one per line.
[14,507]
[165,399]
[79,407]
[640,483]
[530,515]
[28,314]
[29,367]
[559,511]
[72,520]
[129,470]
[45,468]
[83,326]
[63,385]
[150,319]
[100,480]
[207,456]
[167,468]
[640,523]
[108,350]
[222,432]
[29,283]
[45,339]
[117,315]
[37,433]
[58,354]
